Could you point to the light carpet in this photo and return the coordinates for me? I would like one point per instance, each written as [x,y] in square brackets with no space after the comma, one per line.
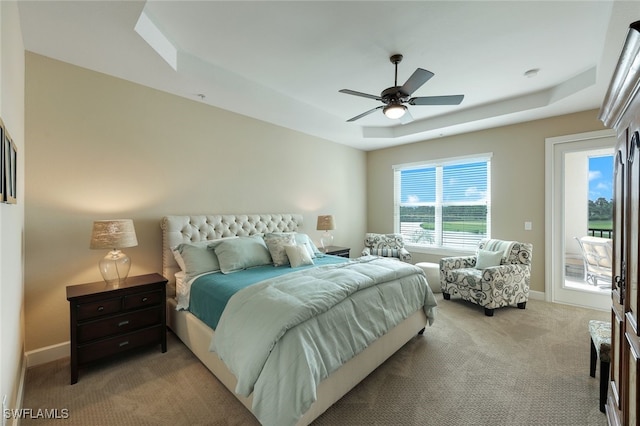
[519,367]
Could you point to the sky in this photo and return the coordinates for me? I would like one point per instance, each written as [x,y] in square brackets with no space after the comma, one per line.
[601,177]
[461,182]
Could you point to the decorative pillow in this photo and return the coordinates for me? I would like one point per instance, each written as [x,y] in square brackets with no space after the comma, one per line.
[276,243]
[298,256]
[197,259]
[385,252]
[242,253]
[303,240]
[488,258]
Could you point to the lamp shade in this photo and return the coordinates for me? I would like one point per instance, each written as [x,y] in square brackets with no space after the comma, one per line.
[113,234]
[326,223]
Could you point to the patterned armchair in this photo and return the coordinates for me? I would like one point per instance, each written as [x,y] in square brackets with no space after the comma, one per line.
[498,275]
[387,245]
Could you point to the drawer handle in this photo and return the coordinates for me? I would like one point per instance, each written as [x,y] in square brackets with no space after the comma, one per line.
[121,323]
[125,343]
[100,308]
[144,299]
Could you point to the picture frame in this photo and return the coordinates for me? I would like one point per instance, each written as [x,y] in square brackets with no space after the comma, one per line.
[10,166]
[2,165]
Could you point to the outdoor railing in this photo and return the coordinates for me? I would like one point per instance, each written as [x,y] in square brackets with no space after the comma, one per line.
[597,232]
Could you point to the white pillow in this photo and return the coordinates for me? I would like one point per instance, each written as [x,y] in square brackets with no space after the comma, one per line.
[298,256]
[276,244]
[304,240]
[488,258]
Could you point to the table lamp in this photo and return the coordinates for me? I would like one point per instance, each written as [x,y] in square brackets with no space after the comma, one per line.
[114,235]
[326,223]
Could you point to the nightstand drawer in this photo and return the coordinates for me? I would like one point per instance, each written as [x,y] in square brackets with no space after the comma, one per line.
[115,345]
[96,309]
[118,324]
[140,300]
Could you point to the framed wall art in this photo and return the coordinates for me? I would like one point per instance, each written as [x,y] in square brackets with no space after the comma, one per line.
[10,165]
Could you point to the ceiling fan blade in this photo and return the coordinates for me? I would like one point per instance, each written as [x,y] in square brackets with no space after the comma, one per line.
[365,113]
[406,117]
[364,95]
[417,79]
[437,100]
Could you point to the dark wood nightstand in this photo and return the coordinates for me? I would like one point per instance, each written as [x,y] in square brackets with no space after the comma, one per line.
[336,251]
[109,319]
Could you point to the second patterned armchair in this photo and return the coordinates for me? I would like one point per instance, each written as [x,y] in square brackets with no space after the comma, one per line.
[498,275]
[387,245]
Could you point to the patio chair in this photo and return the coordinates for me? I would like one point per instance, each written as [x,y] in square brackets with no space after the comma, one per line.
[597,254]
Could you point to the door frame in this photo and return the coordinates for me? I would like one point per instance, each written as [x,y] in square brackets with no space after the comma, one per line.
[553,198]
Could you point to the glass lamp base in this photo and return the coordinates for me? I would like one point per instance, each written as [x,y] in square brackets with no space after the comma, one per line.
[115,266]
[326,240]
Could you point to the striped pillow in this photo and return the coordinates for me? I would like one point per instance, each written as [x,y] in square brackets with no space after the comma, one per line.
[385,252]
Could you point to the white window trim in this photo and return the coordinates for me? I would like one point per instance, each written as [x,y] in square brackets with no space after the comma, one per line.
[438,250]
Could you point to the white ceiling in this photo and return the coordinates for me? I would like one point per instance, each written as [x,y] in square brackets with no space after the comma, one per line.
[284,62]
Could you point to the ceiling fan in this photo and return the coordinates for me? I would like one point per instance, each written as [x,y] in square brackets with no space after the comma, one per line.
[394,98]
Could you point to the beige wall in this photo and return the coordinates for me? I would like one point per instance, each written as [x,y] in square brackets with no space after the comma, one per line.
[12,215]
[517,178]
[100,147]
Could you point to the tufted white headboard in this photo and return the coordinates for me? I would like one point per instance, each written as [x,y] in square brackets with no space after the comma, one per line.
[185,229]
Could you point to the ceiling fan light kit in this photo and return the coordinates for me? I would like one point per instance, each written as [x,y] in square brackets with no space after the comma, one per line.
[394,111]
[394,98]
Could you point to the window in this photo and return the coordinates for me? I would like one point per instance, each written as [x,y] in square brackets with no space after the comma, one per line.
[600,208]
[445,203]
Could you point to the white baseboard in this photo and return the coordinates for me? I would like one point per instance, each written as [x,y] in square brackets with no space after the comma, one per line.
[536,295]
[15,421]
[47,354]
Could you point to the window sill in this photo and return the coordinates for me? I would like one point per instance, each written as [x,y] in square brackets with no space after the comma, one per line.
[439,251]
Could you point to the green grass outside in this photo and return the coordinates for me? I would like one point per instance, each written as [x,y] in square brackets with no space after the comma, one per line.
[481,227]
[601,224]
[474,227]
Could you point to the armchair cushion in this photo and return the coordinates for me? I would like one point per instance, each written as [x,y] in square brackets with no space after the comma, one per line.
[488,258]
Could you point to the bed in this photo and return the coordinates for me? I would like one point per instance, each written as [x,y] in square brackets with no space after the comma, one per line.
[224,231]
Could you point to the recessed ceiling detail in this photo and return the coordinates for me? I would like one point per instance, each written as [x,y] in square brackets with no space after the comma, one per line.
[496,109]
[284,62]
[154,37]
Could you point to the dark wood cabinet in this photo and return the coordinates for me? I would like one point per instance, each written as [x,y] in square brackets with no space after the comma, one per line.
[621,111]
[110,319]
[336,251]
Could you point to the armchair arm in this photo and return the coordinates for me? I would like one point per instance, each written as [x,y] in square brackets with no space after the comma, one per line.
[504,279]
[404,255]
[457,262]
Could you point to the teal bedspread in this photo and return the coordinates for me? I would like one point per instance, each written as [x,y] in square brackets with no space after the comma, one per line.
[281,337]
[211,292]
